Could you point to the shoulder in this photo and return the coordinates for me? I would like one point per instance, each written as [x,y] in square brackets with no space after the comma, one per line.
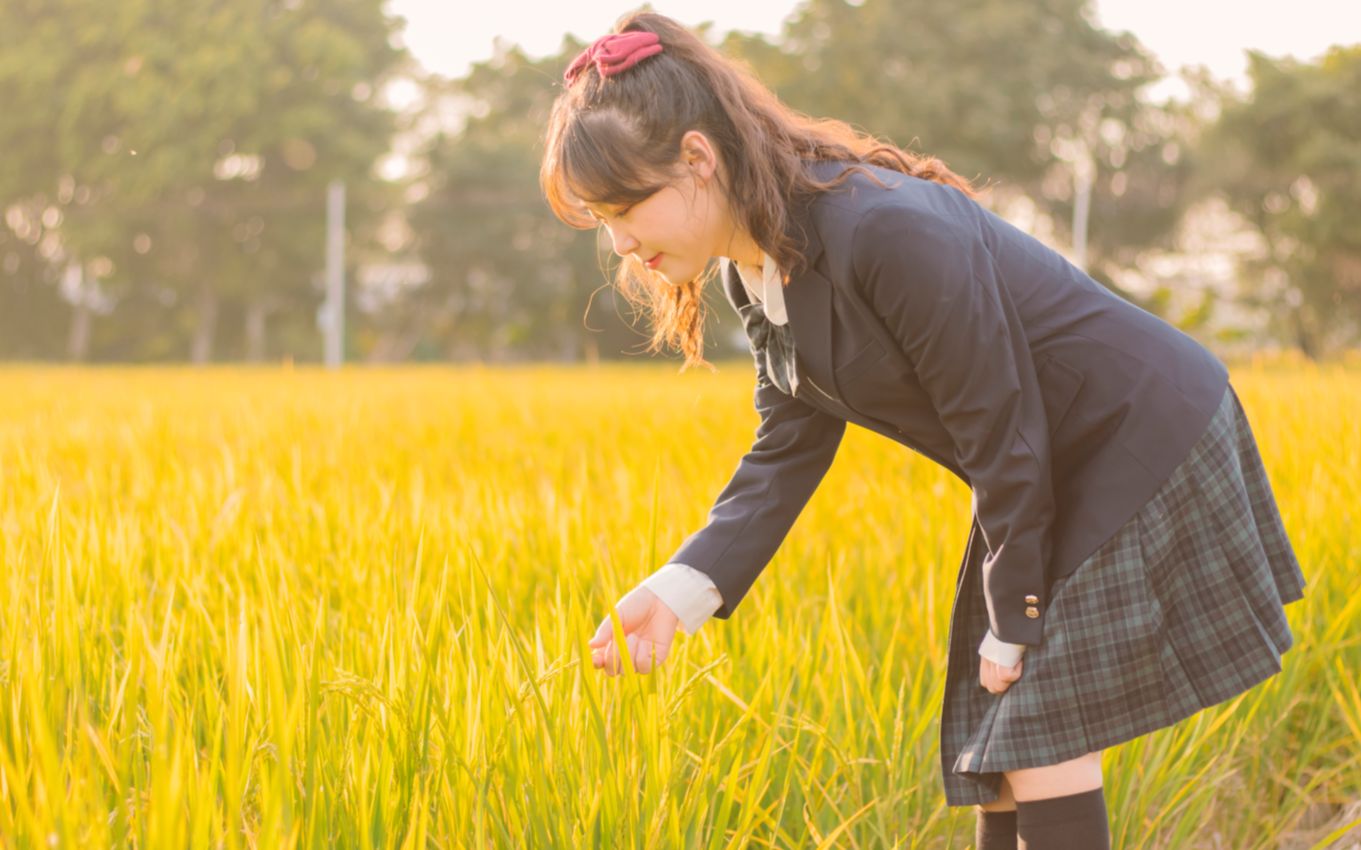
[869,188]
[908,221]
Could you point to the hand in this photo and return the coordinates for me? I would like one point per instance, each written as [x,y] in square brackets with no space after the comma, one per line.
[649,626]
[995,677]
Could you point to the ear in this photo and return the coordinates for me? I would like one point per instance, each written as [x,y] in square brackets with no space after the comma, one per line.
[698,155]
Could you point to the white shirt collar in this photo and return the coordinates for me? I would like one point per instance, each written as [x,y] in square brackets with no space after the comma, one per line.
[764,285]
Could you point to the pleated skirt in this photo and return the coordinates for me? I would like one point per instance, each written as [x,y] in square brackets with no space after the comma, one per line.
[1182,609]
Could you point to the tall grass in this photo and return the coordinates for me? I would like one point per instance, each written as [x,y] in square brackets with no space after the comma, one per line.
[278,608]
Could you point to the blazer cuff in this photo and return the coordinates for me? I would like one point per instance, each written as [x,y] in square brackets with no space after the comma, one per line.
[1005,654]
[690,594]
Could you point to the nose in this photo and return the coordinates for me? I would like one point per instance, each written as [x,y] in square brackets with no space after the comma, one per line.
[623,242]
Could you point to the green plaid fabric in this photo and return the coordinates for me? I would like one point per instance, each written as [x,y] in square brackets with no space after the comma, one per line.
[1181,610]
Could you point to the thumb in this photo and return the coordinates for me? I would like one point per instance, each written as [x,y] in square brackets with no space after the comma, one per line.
[626,609]
[633,610]
[603,634]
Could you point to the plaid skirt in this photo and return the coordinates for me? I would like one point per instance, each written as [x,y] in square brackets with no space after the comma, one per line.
[1180,610]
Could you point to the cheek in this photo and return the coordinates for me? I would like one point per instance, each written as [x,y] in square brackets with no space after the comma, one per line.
[681,229]
[696,232]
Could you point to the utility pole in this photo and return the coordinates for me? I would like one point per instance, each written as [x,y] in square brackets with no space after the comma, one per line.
[1084,174]
[1078,150]
[333,313]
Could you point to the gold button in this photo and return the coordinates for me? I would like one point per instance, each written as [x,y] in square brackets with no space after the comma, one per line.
[1032,599]
[1032,612]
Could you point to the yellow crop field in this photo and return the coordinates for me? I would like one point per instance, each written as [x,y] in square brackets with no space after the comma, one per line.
[279,607]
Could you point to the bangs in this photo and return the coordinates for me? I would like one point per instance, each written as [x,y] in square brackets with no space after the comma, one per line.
[596,162]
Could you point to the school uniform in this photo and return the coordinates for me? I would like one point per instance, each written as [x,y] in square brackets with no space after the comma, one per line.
[1124,531]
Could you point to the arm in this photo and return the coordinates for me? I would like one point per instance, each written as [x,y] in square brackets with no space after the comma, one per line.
[793,449]
[932,280]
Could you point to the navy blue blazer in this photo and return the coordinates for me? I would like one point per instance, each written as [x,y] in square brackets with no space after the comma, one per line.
[923,316]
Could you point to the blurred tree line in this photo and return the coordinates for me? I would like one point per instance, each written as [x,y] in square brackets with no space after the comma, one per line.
[164,175]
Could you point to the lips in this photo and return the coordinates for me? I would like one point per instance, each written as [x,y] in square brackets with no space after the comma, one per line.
[654,262]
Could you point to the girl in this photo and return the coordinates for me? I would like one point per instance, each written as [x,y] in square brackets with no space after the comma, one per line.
[1127,565]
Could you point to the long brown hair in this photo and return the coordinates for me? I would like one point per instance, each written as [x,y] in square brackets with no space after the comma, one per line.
[616,140]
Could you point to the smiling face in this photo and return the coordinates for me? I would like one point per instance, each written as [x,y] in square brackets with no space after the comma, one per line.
[678,229]
[670,231]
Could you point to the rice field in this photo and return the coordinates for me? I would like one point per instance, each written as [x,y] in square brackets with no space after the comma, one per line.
[281,607]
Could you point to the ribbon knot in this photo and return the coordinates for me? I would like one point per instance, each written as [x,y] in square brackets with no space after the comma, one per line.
[614,53]
[773,343]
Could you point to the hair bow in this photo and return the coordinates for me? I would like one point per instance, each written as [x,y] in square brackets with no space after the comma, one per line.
[615,52]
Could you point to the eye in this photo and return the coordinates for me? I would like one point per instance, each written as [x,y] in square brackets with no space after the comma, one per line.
[601,219]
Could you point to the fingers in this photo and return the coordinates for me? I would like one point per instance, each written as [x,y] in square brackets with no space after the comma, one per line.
[632,610]
[602,634]
[599,657]
[648,626]
[640,652]
[606,658]
[997,678]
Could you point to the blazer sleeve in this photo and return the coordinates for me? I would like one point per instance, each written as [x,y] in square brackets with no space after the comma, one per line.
[793,449]
[931,279]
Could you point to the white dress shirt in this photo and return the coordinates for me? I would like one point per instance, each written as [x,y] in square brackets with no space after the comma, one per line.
[690,594]
[764,285]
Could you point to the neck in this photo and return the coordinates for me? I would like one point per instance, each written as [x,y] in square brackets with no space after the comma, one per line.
[743,249]
[738,245]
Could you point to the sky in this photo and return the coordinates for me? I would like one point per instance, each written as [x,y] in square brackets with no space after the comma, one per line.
[446,36]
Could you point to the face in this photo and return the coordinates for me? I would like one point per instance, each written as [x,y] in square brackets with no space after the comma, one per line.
[678,229]
[665,231]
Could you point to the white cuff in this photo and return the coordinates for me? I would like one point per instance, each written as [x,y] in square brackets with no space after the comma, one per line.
[1006,654]
[690,594]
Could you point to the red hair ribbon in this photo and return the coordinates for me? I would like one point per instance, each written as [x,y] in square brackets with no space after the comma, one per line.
[614,53]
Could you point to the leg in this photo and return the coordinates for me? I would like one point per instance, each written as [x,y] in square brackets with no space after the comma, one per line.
[996,827]
[1056,780]
[1061,806]
[1006,800]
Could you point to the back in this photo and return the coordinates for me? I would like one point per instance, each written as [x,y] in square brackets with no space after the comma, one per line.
[1126,393]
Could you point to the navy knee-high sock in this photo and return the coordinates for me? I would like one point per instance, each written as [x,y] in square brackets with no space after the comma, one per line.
[1074,822]
[995,830]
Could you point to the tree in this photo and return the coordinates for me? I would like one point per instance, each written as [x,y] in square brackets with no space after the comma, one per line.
[1287,158]
[507,278]
[1032,98]
[180,159]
